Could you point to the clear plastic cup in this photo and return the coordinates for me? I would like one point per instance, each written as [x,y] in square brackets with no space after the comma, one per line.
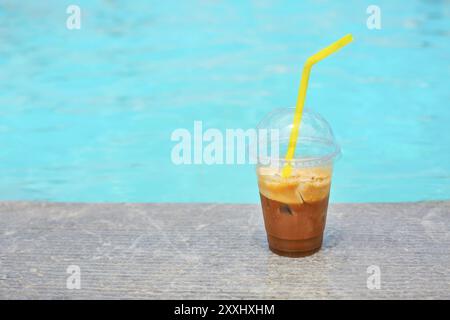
[295,208]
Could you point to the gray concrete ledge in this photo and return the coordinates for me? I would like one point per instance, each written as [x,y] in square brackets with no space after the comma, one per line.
[190,251]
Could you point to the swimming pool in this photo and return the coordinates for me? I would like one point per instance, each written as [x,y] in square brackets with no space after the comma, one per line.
[87,115]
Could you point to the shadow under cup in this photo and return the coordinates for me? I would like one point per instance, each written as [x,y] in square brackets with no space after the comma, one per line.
[295,207]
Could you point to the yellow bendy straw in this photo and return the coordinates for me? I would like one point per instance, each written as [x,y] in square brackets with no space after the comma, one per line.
[322,54]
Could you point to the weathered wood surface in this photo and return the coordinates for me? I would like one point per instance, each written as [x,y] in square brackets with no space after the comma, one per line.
[205,251]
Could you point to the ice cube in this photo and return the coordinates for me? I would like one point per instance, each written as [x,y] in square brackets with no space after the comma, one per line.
[313,190]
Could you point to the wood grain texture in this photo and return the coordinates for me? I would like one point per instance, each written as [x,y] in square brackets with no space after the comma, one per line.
[190,251]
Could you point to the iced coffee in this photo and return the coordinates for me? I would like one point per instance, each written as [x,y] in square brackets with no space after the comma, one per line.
[294,208]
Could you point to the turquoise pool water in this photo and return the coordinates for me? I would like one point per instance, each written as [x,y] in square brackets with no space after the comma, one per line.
[87,115]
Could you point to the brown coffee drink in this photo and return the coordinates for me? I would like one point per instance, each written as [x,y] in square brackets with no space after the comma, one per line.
[295,208]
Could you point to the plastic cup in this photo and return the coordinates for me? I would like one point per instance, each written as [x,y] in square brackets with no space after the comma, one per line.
[295,207]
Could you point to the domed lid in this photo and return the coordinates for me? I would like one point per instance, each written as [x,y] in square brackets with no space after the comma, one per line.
[316,144]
